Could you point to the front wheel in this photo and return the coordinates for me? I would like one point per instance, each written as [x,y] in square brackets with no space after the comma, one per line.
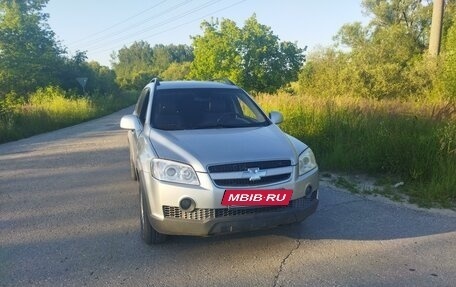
[148,234]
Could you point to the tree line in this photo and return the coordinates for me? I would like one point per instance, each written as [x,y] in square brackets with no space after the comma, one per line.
[251,56]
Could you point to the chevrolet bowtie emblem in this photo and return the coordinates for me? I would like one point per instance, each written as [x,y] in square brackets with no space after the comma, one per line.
[255,173]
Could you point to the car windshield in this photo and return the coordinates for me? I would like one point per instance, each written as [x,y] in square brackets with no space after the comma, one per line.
[182,109]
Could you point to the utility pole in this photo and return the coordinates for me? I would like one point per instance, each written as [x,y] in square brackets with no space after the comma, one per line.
[436,27]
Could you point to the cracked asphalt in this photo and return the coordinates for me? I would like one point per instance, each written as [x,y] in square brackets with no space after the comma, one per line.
[69,217]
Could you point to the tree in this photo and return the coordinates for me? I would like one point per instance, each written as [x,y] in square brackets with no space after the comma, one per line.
[385,58]
[139,63]
[133,65]
[180,53]
[71,69]
[413,15]
[268,64]
[327,74]
[29,54]
[216,52]
[101,79]
[251,56]
[449,18]
[161,58]
[176,71]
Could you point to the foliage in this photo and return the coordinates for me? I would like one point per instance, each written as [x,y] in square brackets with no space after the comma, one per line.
[100,79]
[132,63]
[216,53]
[47,109]
[30,57]
[411,15]
[176,71]
[267,63]
[29,54]
[138,64]
[448,77]
[251,56]
[51,108]
[327,74]
[371,63]
[415,140]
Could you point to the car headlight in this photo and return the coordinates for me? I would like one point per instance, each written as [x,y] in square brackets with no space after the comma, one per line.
[307,161]
[172,171]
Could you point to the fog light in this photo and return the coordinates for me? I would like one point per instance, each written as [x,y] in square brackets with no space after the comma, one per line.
[187,204]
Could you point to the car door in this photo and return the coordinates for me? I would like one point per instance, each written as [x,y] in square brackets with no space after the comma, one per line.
[140,112]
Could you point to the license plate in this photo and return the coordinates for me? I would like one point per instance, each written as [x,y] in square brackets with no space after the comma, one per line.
[265,197]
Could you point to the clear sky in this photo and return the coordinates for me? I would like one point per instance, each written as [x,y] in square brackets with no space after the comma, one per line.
[103,26]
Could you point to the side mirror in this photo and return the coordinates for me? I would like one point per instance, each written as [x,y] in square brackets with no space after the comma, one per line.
[276,117]
[130,122]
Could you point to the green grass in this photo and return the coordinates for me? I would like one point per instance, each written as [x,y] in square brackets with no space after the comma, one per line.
[414,140]
[52,108]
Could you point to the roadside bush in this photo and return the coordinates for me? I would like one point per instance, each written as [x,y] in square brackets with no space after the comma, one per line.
[415,140]
[52,108]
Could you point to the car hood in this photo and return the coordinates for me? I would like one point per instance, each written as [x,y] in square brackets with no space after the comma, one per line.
[203,148]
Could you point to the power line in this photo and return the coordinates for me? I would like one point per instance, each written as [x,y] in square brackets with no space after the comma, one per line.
[118,23]
[100,39]
[102,44]
[177,26]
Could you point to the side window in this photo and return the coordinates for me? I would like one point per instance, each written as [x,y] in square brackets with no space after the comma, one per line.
[141,106]
[142,114]
[140,102]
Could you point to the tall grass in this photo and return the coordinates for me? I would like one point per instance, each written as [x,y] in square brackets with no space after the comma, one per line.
[52,108]
[411,139]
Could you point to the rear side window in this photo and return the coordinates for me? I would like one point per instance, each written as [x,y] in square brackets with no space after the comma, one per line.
[141,106]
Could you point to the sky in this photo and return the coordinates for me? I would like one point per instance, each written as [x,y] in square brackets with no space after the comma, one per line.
[103,26]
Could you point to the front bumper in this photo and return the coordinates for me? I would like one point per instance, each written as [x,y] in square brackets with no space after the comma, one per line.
[210,217]
[206,222]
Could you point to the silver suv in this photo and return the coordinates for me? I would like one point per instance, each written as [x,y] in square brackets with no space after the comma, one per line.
[209,161]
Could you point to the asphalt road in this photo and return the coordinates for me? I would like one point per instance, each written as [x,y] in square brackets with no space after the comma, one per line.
[69,217]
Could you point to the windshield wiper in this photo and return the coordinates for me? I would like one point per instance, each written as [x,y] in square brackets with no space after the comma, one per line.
[214,126]
[225,125]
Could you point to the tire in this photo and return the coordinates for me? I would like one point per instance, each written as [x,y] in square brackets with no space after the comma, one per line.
[133,173]
[148,234]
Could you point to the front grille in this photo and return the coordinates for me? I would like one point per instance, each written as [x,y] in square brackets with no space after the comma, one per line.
[247,182]
[211,213]
[233,167]
[240,174]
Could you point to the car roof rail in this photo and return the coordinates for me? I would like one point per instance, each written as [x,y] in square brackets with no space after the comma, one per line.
[155,80]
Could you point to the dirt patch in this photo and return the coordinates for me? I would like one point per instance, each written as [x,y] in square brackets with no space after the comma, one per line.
[388,190]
